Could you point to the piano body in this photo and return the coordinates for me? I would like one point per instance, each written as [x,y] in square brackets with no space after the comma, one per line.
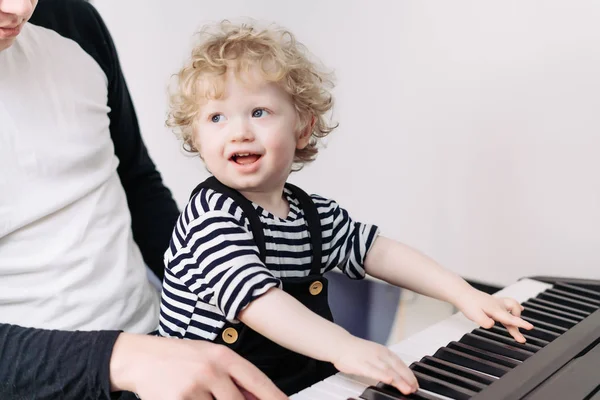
[455,359]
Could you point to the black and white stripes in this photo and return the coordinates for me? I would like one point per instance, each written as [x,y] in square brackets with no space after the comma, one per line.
[213,269]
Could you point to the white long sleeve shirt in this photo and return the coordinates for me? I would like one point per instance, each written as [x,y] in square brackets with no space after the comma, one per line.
[67,256]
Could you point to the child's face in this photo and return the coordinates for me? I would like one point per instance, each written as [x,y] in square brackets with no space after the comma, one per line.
[248,137]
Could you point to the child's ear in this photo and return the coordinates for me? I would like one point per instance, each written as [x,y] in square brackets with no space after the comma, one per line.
[192,146]
[306,134]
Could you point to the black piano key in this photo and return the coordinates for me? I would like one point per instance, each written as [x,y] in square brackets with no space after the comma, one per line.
[553,311]
[595,395]
[503,349]
[387,392]
[459,370]
[439,386]
[559,306]
[578,290]
[542,367]
[373,393]
[418,395]
[501,330]
[584,299]
[506,340]
[549,318]
[569,302]
[469,361]
[542,333]
[559,330]
[446,376]
[485,354]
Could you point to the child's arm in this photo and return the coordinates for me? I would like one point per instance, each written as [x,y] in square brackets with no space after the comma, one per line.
[404,266]
[281,318]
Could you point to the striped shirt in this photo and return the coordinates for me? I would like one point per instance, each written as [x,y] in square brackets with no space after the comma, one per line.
[213,269]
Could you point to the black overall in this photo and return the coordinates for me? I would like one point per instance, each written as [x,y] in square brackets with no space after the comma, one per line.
[290,371]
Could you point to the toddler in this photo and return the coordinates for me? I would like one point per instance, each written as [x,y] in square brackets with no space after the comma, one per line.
[246,263]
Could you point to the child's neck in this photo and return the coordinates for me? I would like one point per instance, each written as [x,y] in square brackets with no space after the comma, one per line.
[274,202]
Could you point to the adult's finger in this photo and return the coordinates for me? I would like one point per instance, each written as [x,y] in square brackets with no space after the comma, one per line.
[225,389]
[198,396]
[248,395]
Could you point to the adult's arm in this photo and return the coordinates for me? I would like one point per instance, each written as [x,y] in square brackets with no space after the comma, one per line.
[45,364]
[153,210]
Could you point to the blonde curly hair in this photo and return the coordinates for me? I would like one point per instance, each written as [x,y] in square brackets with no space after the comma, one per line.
[280,59]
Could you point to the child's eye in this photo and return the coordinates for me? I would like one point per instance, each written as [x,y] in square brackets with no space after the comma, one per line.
[259,113]
[217,118]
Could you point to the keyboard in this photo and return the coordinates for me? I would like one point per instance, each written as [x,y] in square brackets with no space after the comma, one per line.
[455,359]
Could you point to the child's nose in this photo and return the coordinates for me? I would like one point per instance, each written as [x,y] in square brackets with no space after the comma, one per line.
[242,132]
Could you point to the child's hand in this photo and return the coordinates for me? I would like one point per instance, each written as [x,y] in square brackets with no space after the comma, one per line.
[362,357]
[484,309]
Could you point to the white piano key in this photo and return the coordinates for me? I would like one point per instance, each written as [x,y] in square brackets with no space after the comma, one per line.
[334,391]
[308,394]
[348,384]
[424,343]
[362,380]
[523,289]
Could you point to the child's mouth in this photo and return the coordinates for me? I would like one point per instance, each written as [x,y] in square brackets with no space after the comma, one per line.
[245,158]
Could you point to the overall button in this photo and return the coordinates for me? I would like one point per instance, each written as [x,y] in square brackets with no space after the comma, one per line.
[315,288]
[229,335]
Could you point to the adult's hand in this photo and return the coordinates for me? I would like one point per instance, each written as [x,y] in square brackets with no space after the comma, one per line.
[159,368]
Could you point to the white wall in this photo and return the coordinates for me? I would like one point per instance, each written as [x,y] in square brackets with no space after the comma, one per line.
[469,129]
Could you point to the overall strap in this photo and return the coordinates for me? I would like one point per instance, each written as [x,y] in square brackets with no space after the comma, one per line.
[247,207]
[314,225]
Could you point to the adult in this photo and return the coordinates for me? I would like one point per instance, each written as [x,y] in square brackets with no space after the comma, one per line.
[82,211]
